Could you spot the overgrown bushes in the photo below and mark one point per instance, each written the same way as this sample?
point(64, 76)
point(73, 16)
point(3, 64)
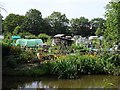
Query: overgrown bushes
point(73, 66)
point(44, 37)
point(111, 57)
point(79, 48)
point(25, 56)
point(70, 66)
point(5, 49)
point(13, 56)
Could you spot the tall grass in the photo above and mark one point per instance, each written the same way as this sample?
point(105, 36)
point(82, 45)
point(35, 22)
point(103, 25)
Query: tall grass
point(75, 65)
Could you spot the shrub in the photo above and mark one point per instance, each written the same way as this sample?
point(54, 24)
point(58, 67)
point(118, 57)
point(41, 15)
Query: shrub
point(15, 50)
point(5, 49)
point(13, 55)
point(31, 37)
point(25, 56)
point(74, 65)
point(79, 48)
point(115, 59)
point(111, 57)
point(65, 68)
point(44, 37)
point(47, 66)
point(9, 62)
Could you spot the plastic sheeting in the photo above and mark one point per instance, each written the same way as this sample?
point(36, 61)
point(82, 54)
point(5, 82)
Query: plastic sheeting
point(29, 42)
point(16, 37)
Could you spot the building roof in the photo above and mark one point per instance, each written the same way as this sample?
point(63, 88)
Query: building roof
point(59, 35)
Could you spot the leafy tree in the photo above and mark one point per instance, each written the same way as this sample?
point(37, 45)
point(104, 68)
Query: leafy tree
point(46, 27)
point(33, 22)
point(17, 30)
point(11, 22)
point(97, 26)
point(80, 26)
point(112, 32)
point(58, 22)
point(99, 31)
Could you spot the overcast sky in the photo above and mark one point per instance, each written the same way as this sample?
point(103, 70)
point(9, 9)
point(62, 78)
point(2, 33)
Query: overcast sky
point(72, 8)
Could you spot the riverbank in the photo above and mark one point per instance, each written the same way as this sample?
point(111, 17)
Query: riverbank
point(27, 70)
point(70, 67)
point(19, 61)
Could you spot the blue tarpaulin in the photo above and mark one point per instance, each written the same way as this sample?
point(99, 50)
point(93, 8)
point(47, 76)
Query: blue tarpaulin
point(16, 37)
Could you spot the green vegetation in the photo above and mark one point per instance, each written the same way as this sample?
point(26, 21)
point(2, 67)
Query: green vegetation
point(112, 32)
point(33, 23)
point(14, 56)
point(73, 66)
point(44, 37)
point(69, 62)
point(65, 66)
point(79, 48)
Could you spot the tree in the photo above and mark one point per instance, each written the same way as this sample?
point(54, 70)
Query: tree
point(112, 32)
point(99, 31)
point(46, 27)
point(33, 22)
point(97, 26)
point(58, 22)
point(17, 30)
point(11, 22)
point(80, 26)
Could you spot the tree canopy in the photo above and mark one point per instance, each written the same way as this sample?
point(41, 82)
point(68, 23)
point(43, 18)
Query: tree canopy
point(33, 22)
point(98, 26)
point(56, 23)
point(80, 26)
point(112, 32)
point(11, 22)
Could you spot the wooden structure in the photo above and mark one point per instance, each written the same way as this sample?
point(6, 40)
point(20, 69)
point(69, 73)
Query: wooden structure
point(62, 39)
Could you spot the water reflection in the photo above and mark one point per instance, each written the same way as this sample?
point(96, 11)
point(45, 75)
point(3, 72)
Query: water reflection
point(89, 81)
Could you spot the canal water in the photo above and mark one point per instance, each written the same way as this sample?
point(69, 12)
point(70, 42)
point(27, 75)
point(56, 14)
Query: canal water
point(86, 81)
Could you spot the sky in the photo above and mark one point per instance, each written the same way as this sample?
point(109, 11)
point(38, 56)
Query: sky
point(71, 8)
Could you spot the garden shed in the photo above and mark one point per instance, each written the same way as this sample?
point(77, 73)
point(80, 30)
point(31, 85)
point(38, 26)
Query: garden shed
point(29, 42)
point(62, 39)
